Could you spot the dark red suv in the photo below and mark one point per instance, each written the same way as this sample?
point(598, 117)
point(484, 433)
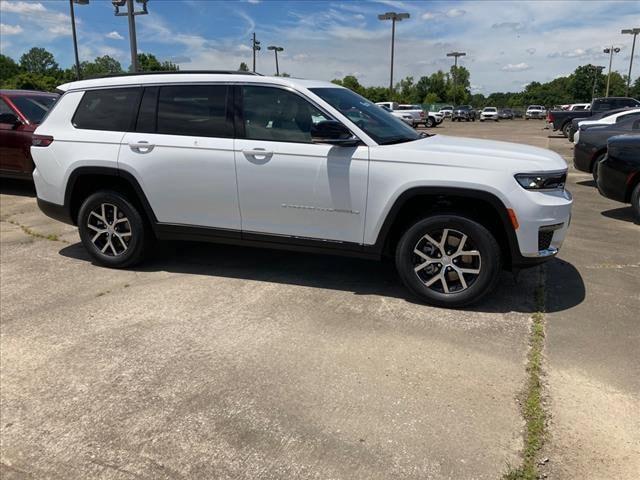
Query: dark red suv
point(20, 113)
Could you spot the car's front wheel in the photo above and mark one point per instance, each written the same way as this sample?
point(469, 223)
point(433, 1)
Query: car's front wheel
point(635, 202)
point(112, 229)
point(448, 260)
point(430, 123)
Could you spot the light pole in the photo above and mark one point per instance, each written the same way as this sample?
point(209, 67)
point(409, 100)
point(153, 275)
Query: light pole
point(276, 50)
point(130, 14)
point(255, 46)
point(455, 56)
point(610, 51)
point(73, 32)
point(394, 17)
point(634, 32)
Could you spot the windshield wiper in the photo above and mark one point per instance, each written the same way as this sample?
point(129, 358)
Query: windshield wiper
point(394, 141)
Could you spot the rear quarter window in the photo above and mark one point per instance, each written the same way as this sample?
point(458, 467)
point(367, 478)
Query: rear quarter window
point(109, 109)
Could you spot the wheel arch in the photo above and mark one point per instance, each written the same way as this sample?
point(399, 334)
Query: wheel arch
point(418, 202)
point(84, 181)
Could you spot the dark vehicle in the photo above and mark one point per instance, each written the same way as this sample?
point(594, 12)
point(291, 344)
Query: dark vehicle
point(592, 147)
point(464, 112)
point(506, 113)
point(561, 119)
point(518, 114)
point(20, 113)
point(619, 172)
point(574, 123)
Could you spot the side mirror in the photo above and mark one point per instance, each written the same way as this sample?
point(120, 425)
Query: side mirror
point(10, 119)
point(333, 133)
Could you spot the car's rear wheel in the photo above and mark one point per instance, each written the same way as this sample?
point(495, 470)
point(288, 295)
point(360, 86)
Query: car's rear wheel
point(112, 229)
point(448, 260)
point(430, 123)
point(565, 129)
point(635, 202)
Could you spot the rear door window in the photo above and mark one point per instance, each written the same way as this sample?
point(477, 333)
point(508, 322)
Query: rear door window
point(109, 109)
point(195, 110)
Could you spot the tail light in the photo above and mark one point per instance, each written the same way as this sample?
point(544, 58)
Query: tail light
point(549, 117)
point(41, 140)
point(421, 114)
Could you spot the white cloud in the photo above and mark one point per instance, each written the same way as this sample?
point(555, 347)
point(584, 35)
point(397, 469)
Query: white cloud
point(513, 26)
point(10, 29)
point(429, 15)
point(60, 30)
point(531, 51)
point(515, 67)
point(114, 36)
point(359, 16)
point(21, 7)
point(254, 2)
point(456, 12)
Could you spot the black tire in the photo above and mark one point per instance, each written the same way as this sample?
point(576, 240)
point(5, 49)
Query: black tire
point(430, 123)
point(594, 167)
point(635, 202)
point(473, 119)
point(566, 128)
point(133, 227)
point(478, 237)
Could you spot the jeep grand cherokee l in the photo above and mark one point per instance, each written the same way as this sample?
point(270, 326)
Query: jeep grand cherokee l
point(284, 163)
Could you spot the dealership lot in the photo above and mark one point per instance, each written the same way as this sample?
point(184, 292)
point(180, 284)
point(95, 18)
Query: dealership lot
point(222, 362)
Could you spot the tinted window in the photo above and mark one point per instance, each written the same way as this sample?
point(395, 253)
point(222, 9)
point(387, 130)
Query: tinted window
point(147, 113)
point(34, 107)
point(110, 109)
point(380, 125)
point(626, 116)
point(4, 108)
point(278, 115)
point(196, 110)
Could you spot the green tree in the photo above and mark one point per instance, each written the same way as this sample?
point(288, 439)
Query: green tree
point(39, 61)
point(8, 67)
point(422, 89)
point(147, 62)
point(104, 65)
point(438, 85)
point(243, 67)
point(634, 89)
point(31, 81)
point(458, 84)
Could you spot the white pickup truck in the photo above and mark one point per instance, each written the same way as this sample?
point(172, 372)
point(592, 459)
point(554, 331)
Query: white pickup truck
point(431, 119)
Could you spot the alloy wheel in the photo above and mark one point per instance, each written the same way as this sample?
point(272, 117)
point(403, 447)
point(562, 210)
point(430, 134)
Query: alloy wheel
point(112, 229)
point(446, 261)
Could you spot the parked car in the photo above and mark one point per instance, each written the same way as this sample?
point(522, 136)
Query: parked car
point(20, 113)
point(518, 114)
point(275, 162)
point(592, 147)
point(619, 172)
point(429, 120)
point(579, 106)
point(489, 113)
point(463, 112)
point(535, 111)
point(576, 121)
point(561, 119)
point(606, 120)
point(505, 113)
point(446, 111)
point(417, 116)
point(405, 117)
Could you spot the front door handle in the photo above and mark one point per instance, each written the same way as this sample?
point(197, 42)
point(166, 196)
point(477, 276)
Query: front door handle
point(141, 147)
point(258, 153)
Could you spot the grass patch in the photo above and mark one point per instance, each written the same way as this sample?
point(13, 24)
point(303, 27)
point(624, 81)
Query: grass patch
point(532, 406)
point(52, 237)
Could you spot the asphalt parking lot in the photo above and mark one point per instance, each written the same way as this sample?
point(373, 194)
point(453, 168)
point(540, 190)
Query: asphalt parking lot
point(222, 362)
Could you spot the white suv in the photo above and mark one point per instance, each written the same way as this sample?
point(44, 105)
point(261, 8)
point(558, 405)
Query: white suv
point(297, 164)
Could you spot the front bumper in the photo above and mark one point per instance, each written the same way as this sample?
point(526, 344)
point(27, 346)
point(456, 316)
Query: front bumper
point(582, 157)
point(535, 115)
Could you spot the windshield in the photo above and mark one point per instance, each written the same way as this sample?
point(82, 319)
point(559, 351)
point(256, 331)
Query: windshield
point(489, 109)
point(535, 107)
point(380, 125)
point(463, 107)
point(34, 107)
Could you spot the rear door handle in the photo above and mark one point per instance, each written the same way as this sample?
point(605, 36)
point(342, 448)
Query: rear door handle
point(260, 153)
point(141, 147)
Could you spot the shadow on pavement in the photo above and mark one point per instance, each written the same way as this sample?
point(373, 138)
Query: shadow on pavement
point(586, 183)
point(362, 277)
point(622, 213)
point(23, 188)
point(564, 286)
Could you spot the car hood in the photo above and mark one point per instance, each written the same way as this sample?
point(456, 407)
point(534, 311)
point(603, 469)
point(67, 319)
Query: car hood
point(482, 154)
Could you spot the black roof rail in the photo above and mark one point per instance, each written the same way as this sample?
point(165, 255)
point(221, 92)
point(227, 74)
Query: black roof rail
point(177, 72)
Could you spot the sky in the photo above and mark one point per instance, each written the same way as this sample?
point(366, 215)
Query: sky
point(508, 43)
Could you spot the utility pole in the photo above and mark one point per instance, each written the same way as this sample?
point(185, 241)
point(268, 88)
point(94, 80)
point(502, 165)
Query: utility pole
point(455, 56)
point(276, 50)
point(610, 51)
point(394, 17)
point(634, 32)
point(130, 14)
point(255, 46)
point(73, 32)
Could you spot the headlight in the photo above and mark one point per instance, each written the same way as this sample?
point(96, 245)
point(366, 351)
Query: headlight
point(542, 181)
